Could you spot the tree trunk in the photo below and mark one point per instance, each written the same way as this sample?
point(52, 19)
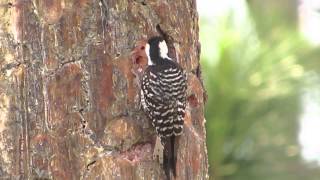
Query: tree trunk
point(69, 101)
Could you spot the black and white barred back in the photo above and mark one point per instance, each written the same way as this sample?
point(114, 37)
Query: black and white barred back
point(163, 97)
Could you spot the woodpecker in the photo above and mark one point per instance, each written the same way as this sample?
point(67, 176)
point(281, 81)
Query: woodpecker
point(163, 98)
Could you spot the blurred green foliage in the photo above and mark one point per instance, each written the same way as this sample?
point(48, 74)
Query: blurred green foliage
point(254, 88)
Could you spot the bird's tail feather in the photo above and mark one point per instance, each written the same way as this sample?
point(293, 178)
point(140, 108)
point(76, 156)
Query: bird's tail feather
point(169, 156)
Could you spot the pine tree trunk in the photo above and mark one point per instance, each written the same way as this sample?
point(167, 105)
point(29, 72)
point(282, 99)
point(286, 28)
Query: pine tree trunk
point(69, 101)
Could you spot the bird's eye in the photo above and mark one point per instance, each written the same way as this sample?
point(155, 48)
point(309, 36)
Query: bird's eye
point(142, 48)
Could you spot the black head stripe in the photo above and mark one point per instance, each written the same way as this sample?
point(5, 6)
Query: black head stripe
point(154, 48)
point(155, 40)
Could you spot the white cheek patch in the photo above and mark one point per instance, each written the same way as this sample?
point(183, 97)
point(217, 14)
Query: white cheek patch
point(163, 50)
point(148, 54)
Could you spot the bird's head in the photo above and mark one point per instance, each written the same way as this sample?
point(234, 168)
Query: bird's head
point(156, 50)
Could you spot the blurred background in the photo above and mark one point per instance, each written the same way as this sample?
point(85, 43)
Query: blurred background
point(261, 67)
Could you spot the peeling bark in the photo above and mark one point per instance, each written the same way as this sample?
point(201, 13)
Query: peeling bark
point(69, 83)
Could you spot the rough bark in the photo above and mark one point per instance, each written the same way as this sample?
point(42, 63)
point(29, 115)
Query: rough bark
point(69, 107)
